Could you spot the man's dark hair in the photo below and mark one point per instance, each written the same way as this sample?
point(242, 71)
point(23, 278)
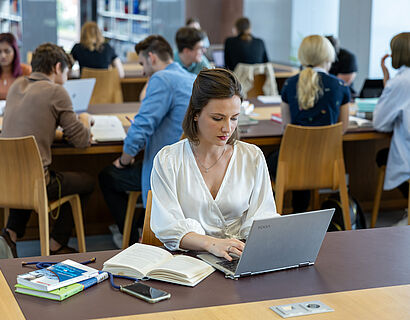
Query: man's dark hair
point(155, 44)
point(191, 20)
point(47, 55)
point(187, 37)
point(335, 43)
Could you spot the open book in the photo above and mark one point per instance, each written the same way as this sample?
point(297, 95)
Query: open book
point(107, 128)
point(141, 260)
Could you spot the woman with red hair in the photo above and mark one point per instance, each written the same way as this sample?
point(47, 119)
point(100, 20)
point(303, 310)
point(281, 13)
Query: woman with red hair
point(10, 66)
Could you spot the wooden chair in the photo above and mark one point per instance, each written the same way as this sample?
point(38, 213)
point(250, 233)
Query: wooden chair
point(312, 158)
point(129, 215)
point(148, 237)
point(256, 90)
point(107, 87)
point(377, 198)
point(23, 186)
point(132, 56)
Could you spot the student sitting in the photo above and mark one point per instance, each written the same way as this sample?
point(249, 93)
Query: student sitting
point(313, 98)
point(392, 113)
point(207, 189)
point(10, 66)
point(94, 52)
point(190, 55)
point(244, 48)
point(157, 124)
point(37, 105)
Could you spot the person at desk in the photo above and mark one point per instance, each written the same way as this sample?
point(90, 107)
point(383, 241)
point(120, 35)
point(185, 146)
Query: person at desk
point(207, 189)
point(194, 23)
point(37, 105)
point(244, 48)
point(10, 66)
point(392, 113)
point(94, 52)
point(312, 98)
point(345, 65)
point(158, 123)
point(190, 54)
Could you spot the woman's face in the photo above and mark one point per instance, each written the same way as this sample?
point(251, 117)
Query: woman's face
point(218, 120)
point(6, 54)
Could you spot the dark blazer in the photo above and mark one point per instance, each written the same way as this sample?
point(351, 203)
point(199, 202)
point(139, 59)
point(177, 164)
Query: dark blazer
point(242, 51)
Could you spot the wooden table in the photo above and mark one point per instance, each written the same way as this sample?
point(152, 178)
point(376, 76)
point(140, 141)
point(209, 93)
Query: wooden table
point(362, 274)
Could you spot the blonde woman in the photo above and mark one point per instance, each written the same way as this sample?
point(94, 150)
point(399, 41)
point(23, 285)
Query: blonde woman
point(94, 52)
point(313, 98)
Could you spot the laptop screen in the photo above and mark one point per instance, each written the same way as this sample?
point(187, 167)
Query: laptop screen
point(219, 58)
point(80, 91)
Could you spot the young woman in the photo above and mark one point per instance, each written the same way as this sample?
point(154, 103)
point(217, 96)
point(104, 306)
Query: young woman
point(94, 52)
point(244, 48)
point(10, 66)
point(208, 188)
point(313, 98)
point(392, 113)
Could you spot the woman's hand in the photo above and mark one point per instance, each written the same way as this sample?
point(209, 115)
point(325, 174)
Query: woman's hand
point(224, 247)
point(386, 75)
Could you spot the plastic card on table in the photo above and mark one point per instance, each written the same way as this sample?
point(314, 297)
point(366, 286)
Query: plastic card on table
point(301, 309)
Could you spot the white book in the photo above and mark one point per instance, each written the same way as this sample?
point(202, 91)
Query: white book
point(355, 122)
point(270, 99)
point(107, 128)
point(56, 276)
point(145, 261)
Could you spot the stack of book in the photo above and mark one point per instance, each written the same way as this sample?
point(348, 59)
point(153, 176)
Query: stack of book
point(60, 281)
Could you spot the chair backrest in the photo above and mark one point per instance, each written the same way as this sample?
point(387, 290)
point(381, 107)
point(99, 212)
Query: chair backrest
point(148, 237)
point(107, 87)
point(308, 157)
point(22, 183)
point(257, 79)
point(132, 56)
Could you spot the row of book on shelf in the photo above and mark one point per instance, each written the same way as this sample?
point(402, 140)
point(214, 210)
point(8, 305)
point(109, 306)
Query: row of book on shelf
point(66, 278)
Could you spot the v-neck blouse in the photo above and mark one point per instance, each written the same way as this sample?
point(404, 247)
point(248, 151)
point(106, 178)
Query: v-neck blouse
point(182, 202)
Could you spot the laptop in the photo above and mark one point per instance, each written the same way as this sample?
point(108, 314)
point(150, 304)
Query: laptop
point(218, 56)
point(372, 88)
point(279, 243)
point(80, 91)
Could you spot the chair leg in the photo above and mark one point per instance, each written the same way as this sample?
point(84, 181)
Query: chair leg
point(378, 195)
point(344, 197)
point(44, 232)
point(6, 216)
point(129, 215)
point(75, 203)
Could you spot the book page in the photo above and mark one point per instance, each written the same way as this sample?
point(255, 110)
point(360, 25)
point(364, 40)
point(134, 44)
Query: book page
point(107, 128)
point(182, 267)
point(139, 257)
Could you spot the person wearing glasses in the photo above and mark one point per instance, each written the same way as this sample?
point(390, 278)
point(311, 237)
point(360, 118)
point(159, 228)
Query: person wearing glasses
point(190, 54)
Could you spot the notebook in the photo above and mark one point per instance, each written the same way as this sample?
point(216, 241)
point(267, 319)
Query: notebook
point(107, 128)
point(278, 243)
point(80, 92)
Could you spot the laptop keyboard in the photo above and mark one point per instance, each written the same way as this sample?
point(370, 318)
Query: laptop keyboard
point(230, 265)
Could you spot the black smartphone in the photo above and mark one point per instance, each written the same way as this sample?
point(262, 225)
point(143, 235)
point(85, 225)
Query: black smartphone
point(146, 293)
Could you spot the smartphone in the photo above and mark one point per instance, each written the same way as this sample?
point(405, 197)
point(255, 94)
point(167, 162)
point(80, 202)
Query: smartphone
point(144, 292)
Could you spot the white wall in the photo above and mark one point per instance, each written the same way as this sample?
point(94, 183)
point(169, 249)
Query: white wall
point(270, 20)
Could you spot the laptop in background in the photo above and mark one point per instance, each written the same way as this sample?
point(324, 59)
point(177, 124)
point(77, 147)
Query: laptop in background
point(372, 88)
point(278, 243)
point(80, 91)
point(218, 57)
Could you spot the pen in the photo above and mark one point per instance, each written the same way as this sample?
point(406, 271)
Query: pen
point(129, 119)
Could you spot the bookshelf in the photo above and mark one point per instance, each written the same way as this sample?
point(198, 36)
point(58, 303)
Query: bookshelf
point(10, 18)
point(124, 22)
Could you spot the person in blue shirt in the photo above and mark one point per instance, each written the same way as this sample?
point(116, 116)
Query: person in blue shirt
point(190, 54)
point(313, 98)
point(157, 124)
point(392, 113)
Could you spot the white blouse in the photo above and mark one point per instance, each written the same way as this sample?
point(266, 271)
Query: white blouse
point(182, 203)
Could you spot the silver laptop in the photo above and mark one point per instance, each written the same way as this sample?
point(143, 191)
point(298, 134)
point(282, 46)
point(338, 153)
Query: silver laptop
point(279, 243)
point(80, 91)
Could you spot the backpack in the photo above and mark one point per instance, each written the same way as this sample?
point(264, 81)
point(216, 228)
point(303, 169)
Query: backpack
point(356, 214)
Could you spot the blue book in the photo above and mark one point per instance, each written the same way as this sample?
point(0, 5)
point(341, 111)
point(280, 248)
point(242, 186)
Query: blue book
point(59, 275)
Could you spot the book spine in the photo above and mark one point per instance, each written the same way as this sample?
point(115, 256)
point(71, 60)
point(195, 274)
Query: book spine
point(94, 280)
